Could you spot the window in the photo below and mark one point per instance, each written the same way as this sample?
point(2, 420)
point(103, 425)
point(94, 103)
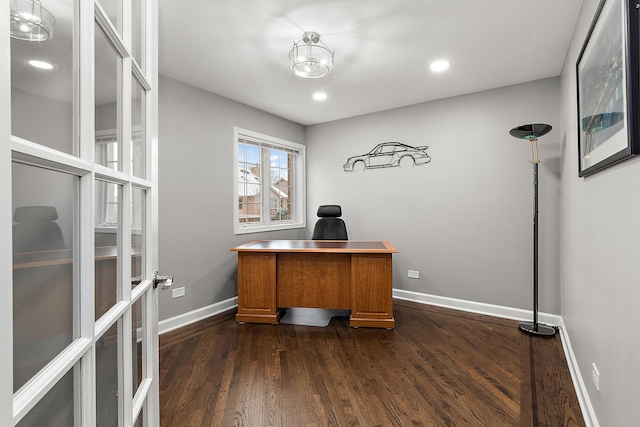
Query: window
point(269, 183)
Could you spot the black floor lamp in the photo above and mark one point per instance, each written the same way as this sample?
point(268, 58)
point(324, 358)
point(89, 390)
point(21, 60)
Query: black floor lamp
point(531, 133)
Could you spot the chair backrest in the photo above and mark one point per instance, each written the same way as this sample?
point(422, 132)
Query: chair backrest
point(36, 229)
point(330, 226)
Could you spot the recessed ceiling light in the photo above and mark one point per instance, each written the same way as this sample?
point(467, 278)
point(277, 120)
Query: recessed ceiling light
point(40, 64)
point(319, 96)
point(439, 65)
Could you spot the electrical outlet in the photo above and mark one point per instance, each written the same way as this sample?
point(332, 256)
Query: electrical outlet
point(595, 376)
point(414, 274)
point(177, 292)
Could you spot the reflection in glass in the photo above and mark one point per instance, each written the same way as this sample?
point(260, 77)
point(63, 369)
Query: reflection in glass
point(140, 421)
point(136, 319)
point(42, 99)
point(107, 110)
point(111, 9)
point(138, 31)
point(107, 197)
point(56, 408)
point(43, 268)
point(107, 355)
point(137, 233)
point(137, 128)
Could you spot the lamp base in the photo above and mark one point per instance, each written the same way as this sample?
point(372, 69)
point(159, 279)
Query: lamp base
point(537, 329)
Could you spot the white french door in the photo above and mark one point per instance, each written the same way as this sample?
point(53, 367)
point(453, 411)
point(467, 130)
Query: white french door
point(78, 225)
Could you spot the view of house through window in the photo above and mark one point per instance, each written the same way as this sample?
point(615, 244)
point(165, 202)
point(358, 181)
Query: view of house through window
point(268, 182)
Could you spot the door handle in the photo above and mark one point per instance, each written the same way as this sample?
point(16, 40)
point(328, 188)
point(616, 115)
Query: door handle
point(166, 281)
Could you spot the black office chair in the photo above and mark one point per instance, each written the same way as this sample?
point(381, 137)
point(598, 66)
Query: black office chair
point(36, 229)
point(330, 226)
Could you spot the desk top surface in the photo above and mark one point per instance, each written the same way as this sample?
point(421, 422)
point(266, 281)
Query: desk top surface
point(333, 246)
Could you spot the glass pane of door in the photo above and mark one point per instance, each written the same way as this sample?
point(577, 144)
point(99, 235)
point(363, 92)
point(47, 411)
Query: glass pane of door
point(44, 270)
point(42, 92)
point(107, 390)
point(42, 77)
point(140, 422)
point(56, 408)
point(137, 20)
point(137, 342)
point(137, 129)
point(107, 103)
point(111, 8)
point(107, 197)
point(137, 234)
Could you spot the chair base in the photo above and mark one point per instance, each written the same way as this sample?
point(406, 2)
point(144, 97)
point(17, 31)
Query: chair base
point(537, 329)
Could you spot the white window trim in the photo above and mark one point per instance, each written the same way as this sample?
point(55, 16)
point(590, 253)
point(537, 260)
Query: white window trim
point(299, 187)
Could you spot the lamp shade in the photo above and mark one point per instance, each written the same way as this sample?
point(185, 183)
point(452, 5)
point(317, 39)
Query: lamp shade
point(309, 59)
point(532, 131)
point(30, 21)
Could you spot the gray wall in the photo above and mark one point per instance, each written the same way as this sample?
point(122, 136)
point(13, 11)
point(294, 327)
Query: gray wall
point(196, 191)
point(464, 220)
point(42, 120)
point(600, 251)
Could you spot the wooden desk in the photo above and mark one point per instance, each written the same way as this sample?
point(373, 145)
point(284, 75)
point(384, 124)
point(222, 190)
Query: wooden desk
point(335, 274)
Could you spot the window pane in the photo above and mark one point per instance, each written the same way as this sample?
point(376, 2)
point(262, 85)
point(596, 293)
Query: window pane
point(137, 129)
point(137, 233)
point(106, 102)
point(107, 355)
point(44, 271)
point(250, 203)
point(136, 319)
point(56, 408)
point(280, 173)
point(267, 190)
point(138, 31)
point(107, 196)
point(42, 98)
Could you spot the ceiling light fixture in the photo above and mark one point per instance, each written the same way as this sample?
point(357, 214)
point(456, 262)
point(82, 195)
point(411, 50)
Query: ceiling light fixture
point(439, 65)
point(40, 64)
point(30, 21)
point(309, 59)
point(319, 96)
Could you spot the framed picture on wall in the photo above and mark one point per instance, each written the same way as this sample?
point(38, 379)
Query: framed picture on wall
point(608, 82)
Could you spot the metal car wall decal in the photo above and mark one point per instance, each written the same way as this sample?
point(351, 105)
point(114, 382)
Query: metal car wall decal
point(388, 155)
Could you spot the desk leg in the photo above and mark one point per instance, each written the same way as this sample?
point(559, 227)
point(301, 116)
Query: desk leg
point(257, 288)
point(371, 291)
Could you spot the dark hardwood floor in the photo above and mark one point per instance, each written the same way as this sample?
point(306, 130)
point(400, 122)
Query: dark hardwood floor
point(439, 367)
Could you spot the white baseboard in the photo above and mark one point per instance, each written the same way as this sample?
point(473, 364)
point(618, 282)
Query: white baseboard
point(588, 412)
point(196, 315)
point(477, 307)
point(586, 407)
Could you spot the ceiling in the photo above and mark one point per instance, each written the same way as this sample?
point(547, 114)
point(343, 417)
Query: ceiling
point(383, 48)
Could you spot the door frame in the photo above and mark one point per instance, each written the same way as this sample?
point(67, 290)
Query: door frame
point(13, 406)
